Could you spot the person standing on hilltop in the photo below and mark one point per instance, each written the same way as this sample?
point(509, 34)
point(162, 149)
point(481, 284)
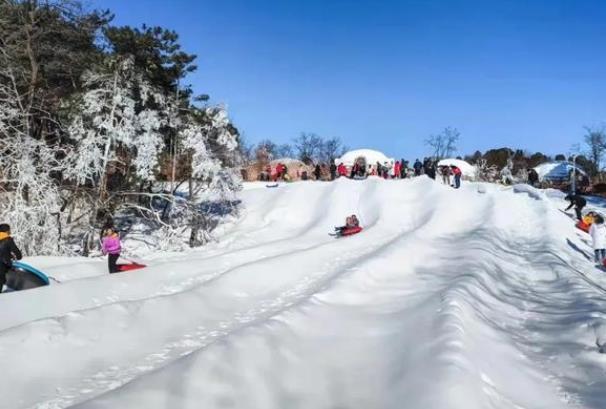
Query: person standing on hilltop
point(333, 170)
point(430, 170)
point(342, 170)
point(396, 170)
point(533, 177)
point(457, 176)
point(317, 172)
point(445, 172)
point(418, 166)
point(403, 168)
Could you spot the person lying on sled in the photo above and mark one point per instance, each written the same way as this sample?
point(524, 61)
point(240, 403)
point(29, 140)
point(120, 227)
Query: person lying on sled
point(350, 222)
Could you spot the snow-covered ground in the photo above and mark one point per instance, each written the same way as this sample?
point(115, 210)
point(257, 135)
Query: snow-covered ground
point(484, 297)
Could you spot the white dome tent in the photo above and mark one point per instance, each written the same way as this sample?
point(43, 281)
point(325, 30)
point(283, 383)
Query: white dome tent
point(469, 171)
point(368, 156)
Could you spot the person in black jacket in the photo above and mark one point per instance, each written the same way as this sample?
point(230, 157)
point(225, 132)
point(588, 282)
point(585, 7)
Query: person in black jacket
point(333, 170)
point(8, 252)
point(317, 172)
point(533, 177)
point(418, 167)
point(578, 202)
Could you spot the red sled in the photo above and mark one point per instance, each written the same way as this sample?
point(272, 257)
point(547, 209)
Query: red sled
point(130, 267)
point(583, 226)
point(351, 231)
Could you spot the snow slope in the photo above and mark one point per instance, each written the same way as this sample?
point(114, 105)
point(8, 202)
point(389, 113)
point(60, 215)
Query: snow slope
point(448, 299)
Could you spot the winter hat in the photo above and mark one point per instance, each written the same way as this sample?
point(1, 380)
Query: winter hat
point(5, 228)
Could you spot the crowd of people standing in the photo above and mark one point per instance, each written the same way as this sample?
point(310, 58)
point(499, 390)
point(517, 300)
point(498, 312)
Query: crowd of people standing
point(449, 175)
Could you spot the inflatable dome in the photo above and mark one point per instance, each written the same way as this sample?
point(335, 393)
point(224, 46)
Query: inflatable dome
point(365, 157)
point(469, 171)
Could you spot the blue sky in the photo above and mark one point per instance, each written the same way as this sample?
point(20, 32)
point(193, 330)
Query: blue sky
point(386, 74)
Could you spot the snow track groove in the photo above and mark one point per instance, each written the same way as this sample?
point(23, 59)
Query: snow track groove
point(178, 346)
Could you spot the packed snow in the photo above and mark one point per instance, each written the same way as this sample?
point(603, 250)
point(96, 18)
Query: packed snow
point(482, 297)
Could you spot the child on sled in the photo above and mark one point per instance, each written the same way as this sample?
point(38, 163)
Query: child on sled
point(350, 223)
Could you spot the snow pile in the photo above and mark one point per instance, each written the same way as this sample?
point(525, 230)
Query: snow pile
point(447, 299)
point(469, 171)
point(556, 171)
point(530, 191)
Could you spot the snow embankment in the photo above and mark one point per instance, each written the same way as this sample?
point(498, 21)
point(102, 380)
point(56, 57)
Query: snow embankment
point(447, 299)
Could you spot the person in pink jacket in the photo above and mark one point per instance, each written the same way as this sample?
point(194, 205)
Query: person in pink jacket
point(111, 246)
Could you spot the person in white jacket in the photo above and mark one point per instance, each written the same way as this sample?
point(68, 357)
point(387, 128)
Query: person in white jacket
point(598, 236)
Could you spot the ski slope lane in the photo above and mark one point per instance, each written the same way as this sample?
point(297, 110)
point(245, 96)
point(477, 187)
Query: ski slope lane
point(448, 299)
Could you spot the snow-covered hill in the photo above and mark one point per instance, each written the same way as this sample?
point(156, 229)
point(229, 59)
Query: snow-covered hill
point(447, 299)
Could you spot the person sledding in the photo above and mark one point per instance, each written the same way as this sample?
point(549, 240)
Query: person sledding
point(352, 226)
point(8, 252)
point(578, 202)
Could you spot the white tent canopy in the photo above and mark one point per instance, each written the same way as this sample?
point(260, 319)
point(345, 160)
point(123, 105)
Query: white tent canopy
point(370, 156)
point(556, 170)
point(467, 169)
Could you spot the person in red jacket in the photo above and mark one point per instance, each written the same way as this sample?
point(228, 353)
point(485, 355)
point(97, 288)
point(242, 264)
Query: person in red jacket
point(396, 170)
point(341, 170)
point(457, 176)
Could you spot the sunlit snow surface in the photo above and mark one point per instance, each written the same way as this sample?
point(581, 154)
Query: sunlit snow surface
point(484, 297)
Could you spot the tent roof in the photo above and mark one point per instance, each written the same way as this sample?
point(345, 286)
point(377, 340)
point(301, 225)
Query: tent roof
point(287, 162)
point(467, 168)
point(556, 170)
point(372, 157)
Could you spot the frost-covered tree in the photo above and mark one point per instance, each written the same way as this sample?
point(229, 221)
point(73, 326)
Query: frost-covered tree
point(117, 119)
point(114, 113)
point(29, 195)
point(486, 172)
point(210, 181)
point(94, 120)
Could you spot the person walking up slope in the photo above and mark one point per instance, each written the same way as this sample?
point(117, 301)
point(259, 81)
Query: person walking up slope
point(598, 237)
point(578, 202)
point(112, 247)
point(8, 252)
